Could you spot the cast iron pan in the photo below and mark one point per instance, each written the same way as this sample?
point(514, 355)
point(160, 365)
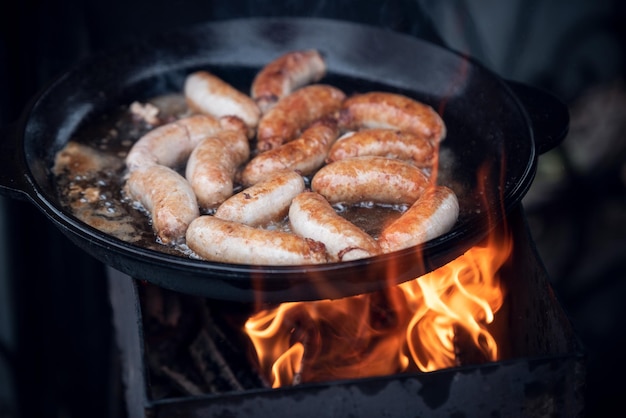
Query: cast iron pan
point(496, 129)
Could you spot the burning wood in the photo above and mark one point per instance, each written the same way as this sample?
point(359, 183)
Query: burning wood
point(436, 321)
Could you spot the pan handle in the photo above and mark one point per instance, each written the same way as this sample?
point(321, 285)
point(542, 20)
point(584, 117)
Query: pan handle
point(13, 181)
point(548, 114)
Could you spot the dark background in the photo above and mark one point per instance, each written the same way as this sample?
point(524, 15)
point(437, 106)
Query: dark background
point(56, 347)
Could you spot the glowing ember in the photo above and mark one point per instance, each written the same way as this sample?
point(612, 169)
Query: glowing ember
point(409, 327)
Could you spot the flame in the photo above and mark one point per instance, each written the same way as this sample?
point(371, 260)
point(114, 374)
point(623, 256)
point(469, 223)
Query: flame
point(413, 326)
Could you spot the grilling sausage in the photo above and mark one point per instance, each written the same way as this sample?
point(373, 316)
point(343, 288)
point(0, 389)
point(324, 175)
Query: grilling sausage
point(305, 154)
point(432, 215)
point(209, 94)
point(311, 216)
point(225, 241)
point(295, 112)
point(393, 111)
point(285, 74)
point(370, 179)
point(264, 202)
point(167, 196)
point(389, 143)
point(213, 164)
point(171, 144)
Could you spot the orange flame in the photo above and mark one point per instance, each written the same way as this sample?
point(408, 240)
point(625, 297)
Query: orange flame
point(409, 327)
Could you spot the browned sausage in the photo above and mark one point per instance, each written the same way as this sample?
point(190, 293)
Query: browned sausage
point(168, 197)
point(172, 143)
point(213, 164)
point(311, 216)
point(267, 201)
point(295, 112)
point(231, 242)
point(284, 75)
point(393, 111)
point(370, 179)
point(304, 155)
point(432, 215)
point(389, 143)
point(209, 94)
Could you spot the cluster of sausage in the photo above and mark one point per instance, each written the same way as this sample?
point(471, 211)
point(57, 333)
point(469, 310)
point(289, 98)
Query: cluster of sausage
point(367, 147)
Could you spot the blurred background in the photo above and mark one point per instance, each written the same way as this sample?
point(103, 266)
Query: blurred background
point(53, 296)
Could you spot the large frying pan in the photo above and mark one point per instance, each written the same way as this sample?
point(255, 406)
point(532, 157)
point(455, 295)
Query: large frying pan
point(496, 130)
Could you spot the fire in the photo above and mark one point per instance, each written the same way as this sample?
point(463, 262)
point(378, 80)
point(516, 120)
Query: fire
point(413, 326)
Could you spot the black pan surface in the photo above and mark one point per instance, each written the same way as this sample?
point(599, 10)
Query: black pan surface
point(491, 146)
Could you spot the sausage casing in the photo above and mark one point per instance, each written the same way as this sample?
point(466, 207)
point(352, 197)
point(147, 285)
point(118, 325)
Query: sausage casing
point(171, 144)
point(212, 166)
point(168, 197)
point(388, 143)
point(209, 94)
point(370, 179)
point(304, 155)
point(264, 202)
point(393, 111)
point(285, 74)
point(311, 216)
point(432, 215)
point(225, 241)
point(295, 112)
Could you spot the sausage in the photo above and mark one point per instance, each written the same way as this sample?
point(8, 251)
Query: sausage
point(264, 202)
point(304, 155)
point(285, 74)
point(370, 179)
point(171, 144)
point(311, 216)
point(432, 215)
point(393, 111)
point(168, 197)
point(295, 112)
point(389, 143)
point(225, 241)
point(213, 164)
point(209, 94)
